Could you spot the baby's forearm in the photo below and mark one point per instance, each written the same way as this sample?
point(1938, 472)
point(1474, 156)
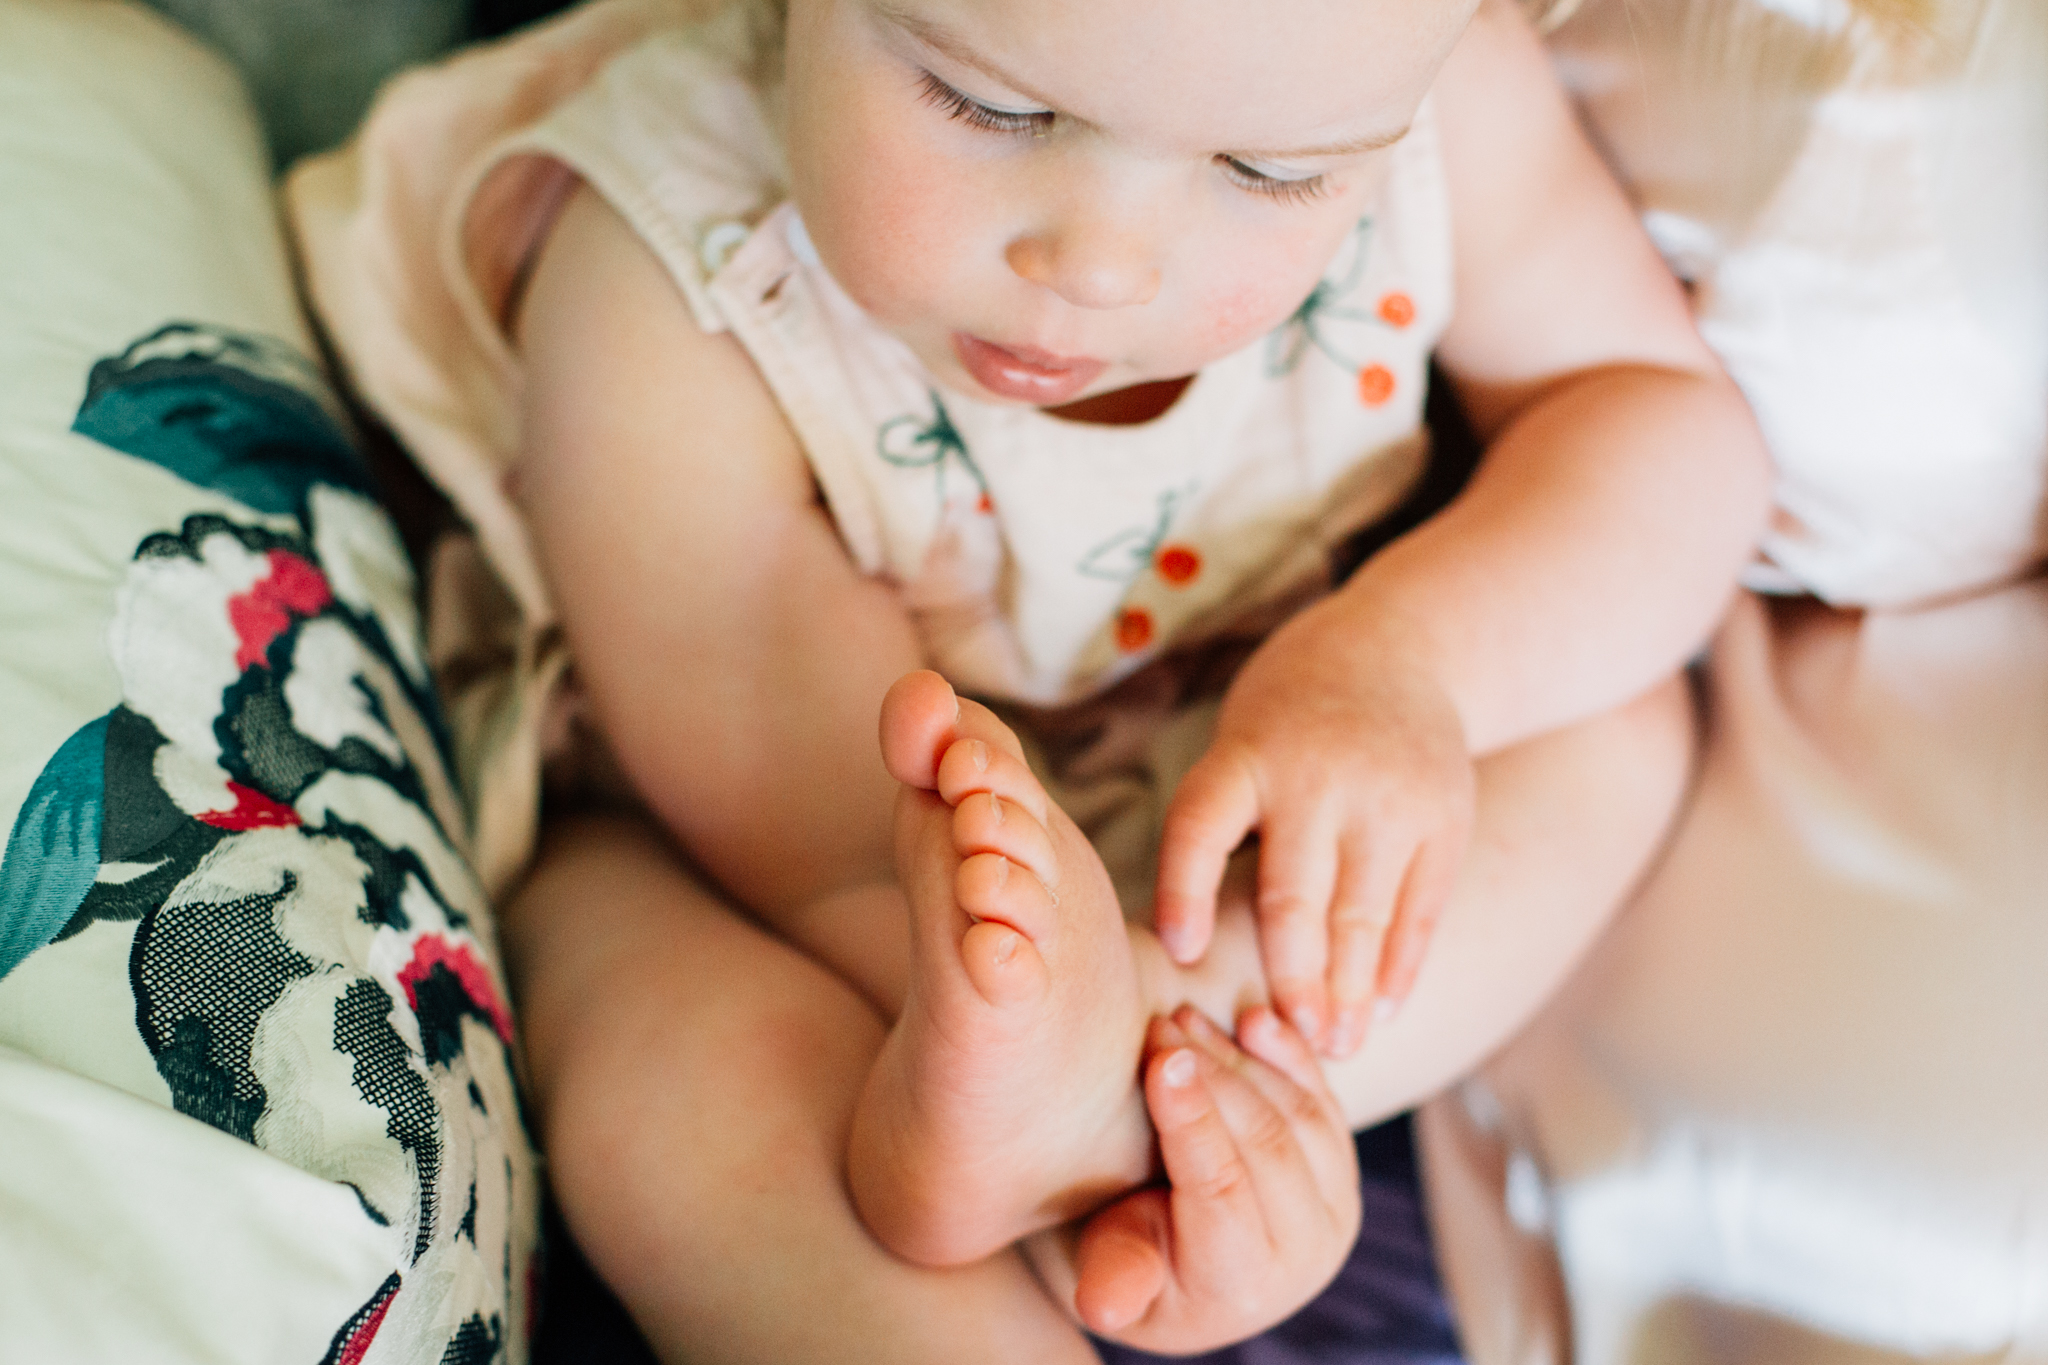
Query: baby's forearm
point(1589, 557)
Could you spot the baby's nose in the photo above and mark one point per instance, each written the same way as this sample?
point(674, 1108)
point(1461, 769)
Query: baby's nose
point(1093, 265)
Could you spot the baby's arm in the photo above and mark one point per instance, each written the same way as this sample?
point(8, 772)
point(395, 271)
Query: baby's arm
point(1261, 1207)
point(1623, 486)
point(729, 650)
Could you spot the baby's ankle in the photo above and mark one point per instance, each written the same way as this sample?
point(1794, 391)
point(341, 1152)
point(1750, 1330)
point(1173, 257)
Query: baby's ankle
point(1229, 977)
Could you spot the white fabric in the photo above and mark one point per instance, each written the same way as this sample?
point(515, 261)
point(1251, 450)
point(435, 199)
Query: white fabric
point(1794, 1105)
point(221, 1270)
point(1794, 1102)
point(223, 1135)
point(1861, 208)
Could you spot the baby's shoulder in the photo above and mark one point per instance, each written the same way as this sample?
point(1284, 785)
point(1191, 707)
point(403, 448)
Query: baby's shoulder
point(631, 406)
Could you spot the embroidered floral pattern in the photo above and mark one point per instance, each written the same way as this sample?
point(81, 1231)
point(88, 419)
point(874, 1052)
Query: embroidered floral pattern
point(1129, 553)
point(934, 443)
point(272, 805)
point(1328, 308)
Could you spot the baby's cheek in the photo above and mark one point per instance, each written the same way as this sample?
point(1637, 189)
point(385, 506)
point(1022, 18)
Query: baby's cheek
point(895, 248)
point(1243, 309)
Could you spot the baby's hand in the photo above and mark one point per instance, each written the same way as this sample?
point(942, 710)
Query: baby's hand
point(1350, 761)
point(1263, 1205)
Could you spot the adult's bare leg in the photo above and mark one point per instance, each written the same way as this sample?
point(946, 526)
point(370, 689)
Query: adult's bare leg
point(694, 1079)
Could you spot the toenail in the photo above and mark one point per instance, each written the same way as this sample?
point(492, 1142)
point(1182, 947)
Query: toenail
point(995, 805)
point(1002, 872)
point(979, 753)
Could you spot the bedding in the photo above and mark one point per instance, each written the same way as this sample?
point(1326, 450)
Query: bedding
point(1791, 1107)
point(256, 1070)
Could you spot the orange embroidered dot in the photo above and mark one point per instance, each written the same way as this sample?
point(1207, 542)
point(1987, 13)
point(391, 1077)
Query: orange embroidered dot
point(1397, 309)
point(1178, 564)
point(985, 504)
point(1375, 385)
point(1133, 629)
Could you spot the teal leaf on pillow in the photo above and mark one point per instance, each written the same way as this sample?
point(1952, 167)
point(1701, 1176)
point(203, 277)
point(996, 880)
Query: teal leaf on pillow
point(224, 410)
point(53, 852)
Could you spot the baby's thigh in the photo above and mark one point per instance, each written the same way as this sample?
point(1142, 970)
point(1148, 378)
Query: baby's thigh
point(695, 1078)
point(676, 1054)
point(614, 933)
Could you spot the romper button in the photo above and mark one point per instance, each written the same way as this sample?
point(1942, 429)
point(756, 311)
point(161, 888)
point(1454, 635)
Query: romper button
point(718, 244)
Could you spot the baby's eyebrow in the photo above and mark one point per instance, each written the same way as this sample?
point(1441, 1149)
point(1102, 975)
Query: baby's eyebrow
point(943, 40)
point(1371, 142)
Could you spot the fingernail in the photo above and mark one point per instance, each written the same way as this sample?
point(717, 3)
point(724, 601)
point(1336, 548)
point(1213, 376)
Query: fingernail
point(1385, 1008)
point(1176, 940)
point(1179, 1069)
point(1306, 1021)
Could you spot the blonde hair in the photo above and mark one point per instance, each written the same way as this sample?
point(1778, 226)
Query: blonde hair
point(1918, 39)
point(1908, 14)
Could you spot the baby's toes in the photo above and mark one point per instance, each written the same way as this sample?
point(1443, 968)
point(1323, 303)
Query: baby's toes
point(1010, 911)
point(990, 887)
point(986, 823)
point(920, 716)
point(975, 765)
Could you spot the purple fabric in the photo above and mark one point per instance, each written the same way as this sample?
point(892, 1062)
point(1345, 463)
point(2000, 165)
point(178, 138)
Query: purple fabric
point(1386, 1306)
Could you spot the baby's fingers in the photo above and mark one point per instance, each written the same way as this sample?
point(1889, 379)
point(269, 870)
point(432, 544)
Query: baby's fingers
point(1120, 1262)
point(1214, 808)
point(1215, 1199)
point(1297, 875)
point(1363, 907)
point(1423, 896)
point(1274, 1099)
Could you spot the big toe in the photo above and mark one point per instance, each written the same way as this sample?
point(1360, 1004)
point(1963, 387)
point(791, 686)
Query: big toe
point(919, 718)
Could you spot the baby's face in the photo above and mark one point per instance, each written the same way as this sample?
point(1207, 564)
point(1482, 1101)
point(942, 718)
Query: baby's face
point(1050, 199)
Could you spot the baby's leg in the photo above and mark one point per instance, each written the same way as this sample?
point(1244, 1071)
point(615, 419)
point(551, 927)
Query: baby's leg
point(694, 1079)
point(1005, 1098)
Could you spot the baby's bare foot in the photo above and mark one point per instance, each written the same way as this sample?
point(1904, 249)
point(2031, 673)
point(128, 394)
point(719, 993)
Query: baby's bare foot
point(1005, 1099)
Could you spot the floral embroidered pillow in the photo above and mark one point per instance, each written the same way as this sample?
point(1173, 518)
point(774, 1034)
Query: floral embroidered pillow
point(245, 967)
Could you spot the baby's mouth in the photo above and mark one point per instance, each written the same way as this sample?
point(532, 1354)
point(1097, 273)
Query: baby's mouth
point(1025, 373)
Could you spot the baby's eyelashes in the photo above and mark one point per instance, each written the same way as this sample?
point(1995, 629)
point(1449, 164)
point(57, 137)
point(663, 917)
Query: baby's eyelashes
point(956, 104)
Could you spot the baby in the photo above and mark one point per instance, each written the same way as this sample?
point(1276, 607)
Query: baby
point(1055, 347)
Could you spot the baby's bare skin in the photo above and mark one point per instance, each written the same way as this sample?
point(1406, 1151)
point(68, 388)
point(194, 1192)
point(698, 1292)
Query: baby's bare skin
point(734, 657)
point(1004, 1100)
